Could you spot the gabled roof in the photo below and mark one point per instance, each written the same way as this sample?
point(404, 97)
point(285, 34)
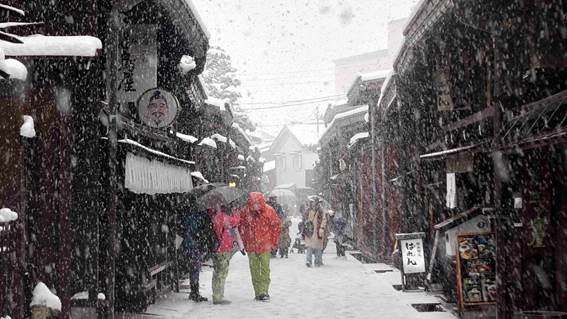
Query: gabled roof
point(284, 134)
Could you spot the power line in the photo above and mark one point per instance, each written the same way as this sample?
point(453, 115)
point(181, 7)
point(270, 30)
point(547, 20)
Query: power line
point(312, 99)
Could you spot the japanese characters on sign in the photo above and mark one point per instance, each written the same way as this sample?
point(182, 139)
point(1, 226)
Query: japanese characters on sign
point(137, 62)
point(412, 255)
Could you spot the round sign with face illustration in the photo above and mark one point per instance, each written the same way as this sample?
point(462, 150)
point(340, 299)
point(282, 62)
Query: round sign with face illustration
point(157, 108)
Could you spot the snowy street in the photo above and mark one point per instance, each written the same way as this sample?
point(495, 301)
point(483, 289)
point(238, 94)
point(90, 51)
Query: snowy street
point(340, 289)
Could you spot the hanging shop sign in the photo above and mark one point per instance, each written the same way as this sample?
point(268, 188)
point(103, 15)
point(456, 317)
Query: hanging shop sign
point(137, 60)
point(476, 269)
point(158, 108)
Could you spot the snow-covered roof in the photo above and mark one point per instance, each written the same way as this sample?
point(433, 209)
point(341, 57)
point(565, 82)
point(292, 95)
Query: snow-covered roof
point(219, 138)
point(198, 18)
point(200, 176)
point(27, 129)
point(370, 76)
point(187, 138)
point(155, 152)
point(307, 133)
point(231, 143)
point(42, 296)
point(356, 137)
point(358, 110)
point(236, 126)
point(7, 215)
point(269, 165)
point(40, 45)
point(208, 142)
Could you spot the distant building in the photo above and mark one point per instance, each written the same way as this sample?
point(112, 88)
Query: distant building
point(347, 68)
point(289, 161)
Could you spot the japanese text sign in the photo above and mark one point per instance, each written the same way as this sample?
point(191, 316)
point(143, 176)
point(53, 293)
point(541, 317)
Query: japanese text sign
point(413, 258)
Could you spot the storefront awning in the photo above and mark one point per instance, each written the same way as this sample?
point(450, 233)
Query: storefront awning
point(457, 219)
point(448, 152)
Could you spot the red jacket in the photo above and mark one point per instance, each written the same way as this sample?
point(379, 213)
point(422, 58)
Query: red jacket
point(223, 231)
point(259, 225)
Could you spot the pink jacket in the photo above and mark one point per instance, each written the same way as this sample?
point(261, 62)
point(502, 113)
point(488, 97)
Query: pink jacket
point(222, 223)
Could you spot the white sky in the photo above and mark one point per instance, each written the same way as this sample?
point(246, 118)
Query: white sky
point(284, 49)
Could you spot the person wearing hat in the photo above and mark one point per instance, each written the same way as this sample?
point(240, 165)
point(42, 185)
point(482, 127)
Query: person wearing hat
point(315, 232)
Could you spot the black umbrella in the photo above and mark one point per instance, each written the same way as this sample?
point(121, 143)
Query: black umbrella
point(223, 192)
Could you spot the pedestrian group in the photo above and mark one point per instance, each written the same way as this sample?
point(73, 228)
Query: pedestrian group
point(261, 230)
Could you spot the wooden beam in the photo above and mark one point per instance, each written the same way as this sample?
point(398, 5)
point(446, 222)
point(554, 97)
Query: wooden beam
point(471, 119)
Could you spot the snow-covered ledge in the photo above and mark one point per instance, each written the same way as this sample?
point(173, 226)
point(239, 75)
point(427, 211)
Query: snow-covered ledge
point(208, 142)
point(7, 215)
point(27, 129)
point(41, 45)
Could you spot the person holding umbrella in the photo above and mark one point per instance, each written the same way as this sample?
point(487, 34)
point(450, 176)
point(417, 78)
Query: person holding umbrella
point(224, 226)
point(260, 230)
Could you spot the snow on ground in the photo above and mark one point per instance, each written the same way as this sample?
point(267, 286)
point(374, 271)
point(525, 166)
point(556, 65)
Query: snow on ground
point(342, 288)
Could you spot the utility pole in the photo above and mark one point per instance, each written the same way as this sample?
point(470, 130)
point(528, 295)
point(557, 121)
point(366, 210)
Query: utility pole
point(317, 118)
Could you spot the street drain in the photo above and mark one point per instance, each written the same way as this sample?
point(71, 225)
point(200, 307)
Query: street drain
point(381, 271)
point(362, 258)
point(397, 287)
point(428, 307)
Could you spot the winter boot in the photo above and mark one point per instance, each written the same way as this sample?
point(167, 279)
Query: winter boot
point(194, 295)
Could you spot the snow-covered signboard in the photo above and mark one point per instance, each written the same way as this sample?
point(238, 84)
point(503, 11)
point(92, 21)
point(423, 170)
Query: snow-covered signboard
point(137, 58)
point(412, 255)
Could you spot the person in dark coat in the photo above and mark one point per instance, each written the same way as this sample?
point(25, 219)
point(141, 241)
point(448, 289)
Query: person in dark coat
point(273, 202)
point(199, 241)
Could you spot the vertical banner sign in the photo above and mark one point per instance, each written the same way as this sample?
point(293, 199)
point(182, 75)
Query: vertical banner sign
point(412, 255)
point(137, 59)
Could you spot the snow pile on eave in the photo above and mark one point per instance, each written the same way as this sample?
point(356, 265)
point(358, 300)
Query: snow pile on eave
point(367, 117)
point(240, 157)
point(356, 137)
point(42, 296)
point(10, 8)
point(187, 138)
point(219, 138)
point(270, 165)
point(186, 64)
point(200, 176)
point(231, 143)
point(7, 215)
point(40, 45)
point(14, 68)
point(27, 129)
point(208, 142)
point(370, 76)
point(250, 159)
point(150, 150)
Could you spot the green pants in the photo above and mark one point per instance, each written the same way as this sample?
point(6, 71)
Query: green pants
point(221, 262)
point(260, 272)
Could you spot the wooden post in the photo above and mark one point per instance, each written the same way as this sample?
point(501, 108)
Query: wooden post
point(112, 69)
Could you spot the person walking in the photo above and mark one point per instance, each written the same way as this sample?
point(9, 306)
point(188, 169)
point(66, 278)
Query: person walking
point(273, 202)
point(260, 230)
point(337, 225)
point(199, 241)
point(223, 225)
point(315, 232)
point(285, 239)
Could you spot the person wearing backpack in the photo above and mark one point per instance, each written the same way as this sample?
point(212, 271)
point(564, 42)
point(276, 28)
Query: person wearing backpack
point(199, 242)
point(315, 231)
